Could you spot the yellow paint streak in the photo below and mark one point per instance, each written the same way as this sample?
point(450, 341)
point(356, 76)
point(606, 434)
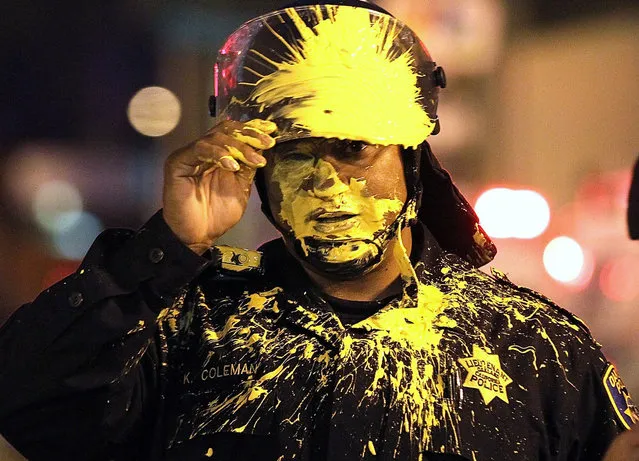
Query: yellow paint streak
point(544, 334)
point(344, 80)
point(346, 345)
point(524, 350)
point(215, 336)
point(259, 300)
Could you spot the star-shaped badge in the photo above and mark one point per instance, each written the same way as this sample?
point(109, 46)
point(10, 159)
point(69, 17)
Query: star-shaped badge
point(485, 375)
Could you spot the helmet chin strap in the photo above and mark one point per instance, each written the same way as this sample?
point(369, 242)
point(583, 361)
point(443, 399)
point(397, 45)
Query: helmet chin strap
point(313, 251)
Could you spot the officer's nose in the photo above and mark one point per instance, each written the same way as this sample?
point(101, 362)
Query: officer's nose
point(325, 182)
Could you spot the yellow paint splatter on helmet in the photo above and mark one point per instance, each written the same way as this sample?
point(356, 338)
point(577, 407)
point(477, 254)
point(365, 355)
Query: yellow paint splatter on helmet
point(344, 78)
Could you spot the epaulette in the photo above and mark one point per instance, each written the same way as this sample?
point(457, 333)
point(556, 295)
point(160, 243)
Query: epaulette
point(503, 278)
point(234, 261)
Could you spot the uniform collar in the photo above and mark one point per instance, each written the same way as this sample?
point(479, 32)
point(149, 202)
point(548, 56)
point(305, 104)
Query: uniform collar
point(306, 306)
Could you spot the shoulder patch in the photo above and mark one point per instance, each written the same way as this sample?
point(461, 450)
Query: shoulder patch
point(625, 408)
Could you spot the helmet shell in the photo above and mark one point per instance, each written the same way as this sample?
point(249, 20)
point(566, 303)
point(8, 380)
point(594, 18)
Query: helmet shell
point(331, 71)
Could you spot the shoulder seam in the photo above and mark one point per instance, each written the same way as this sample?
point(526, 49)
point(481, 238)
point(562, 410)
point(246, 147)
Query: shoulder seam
point(501, 277)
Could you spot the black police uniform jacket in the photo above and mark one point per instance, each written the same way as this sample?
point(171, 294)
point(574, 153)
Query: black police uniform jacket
point(146, 352)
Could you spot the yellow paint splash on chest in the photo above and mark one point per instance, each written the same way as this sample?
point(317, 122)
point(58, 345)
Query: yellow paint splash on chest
point(413, 329)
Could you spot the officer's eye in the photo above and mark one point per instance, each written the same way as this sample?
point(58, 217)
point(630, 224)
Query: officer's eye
point(294, 156)
point(354, 147)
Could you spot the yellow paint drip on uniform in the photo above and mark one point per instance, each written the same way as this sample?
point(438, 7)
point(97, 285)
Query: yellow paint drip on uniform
point(414, 326)
point(343, 81)
point(371, 448)
point(215, 336)
point(524, 350)
point(259, 300)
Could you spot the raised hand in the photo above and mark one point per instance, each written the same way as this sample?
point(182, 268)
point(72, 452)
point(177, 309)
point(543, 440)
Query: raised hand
point(207, 183)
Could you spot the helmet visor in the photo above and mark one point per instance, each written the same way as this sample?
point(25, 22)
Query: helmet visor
point(329, 71)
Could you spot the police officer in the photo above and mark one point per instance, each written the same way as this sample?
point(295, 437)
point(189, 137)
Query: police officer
point(365, 332)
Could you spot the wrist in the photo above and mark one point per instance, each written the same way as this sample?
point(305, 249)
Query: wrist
point(199, 248)
point(196, 245)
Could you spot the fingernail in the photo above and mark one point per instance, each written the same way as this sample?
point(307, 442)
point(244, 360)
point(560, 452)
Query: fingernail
point(256, 138)
point(229, 163)
point(269, 142)
point(257, 160)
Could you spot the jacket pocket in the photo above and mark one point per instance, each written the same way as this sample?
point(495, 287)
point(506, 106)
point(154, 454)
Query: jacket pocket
point(230, 422)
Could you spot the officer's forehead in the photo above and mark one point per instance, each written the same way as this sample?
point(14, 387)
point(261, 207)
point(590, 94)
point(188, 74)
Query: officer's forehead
point(318, 145)
point(306, 143)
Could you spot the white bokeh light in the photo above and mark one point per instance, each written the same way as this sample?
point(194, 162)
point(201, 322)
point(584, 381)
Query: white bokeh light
point(508, 213)
point(57, 205)
point(75, 240)
point(532, 214)
point(154, 111)
point(564, 259)
point(491, 207)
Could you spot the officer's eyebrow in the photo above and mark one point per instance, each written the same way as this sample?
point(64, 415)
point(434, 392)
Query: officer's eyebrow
point(305, 146)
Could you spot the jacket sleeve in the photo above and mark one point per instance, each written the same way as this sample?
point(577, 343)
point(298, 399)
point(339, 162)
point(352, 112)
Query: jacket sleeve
point(605, 410)
point(80, 366)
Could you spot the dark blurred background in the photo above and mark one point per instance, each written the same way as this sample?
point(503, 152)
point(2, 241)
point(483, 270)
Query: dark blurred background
point(539, 129)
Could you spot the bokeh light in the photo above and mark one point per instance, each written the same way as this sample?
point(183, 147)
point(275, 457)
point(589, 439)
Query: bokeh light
point(154, 111)
point(57, 205)
point(564, 259)
point(619, 278)
point(58, 272)
point(509, 213)
point(74, 241)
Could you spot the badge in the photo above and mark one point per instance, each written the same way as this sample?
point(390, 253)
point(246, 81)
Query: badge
point(485, 375)
point(620, 398)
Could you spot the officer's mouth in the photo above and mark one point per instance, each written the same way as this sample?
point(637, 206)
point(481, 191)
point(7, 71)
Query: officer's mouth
point(333, 221)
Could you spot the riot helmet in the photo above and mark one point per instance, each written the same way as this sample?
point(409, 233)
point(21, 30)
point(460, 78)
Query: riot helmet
point(347, 70)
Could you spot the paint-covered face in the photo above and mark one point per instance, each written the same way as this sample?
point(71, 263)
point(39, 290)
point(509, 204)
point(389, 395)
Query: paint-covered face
point(335, 197)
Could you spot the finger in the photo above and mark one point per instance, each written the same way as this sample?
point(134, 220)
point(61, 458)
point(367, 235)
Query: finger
point(265, 126)
point(202, 159)
point(256, 125)
point(237, 149)
point(228, 163)
point(255, 159)
point(222, 146)
point(225, 126)
point(210, 155)
point(246, 174)
point(253, 137)
point(255, 133)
